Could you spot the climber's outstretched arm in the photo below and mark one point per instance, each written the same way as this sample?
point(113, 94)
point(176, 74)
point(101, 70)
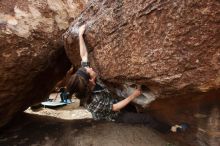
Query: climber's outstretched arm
point(121, 104)
point(82, 45)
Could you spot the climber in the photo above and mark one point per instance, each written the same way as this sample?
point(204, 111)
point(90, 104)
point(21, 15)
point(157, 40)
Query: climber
point(86, 85)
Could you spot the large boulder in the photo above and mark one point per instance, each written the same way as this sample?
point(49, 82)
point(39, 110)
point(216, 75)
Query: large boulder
point(171, 47)
point(32, 55)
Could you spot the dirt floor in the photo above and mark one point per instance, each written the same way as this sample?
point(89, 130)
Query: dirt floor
point(35, 129)
point(72, 125)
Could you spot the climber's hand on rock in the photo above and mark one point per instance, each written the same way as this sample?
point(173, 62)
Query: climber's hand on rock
point(82, 29)
point(136, 93)
point(139, 87)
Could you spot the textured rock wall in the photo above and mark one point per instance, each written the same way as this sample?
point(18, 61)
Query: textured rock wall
point(170, 46)
point(201, 112)
point(32, 57)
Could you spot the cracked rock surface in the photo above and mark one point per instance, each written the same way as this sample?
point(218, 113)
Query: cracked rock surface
point(172, 47)
point(32, 57)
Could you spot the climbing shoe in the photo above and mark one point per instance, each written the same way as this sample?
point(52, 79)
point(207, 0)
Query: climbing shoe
point(180, 128)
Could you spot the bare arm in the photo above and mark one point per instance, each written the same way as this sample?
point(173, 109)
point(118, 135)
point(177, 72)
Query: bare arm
point(121, 104)
point(82, 45)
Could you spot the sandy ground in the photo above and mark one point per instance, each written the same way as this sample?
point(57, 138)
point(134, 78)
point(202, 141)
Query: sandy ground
point(74, 127)
point(69, 112)
point(36, 130)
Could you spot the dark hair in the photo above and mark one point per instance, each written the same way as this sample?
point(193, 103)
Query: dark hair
point(79, 86)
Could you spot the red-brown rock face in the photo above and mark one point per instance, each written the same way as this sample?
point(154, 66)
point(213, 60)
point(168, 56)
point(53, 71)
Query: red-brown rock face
point(172, 47)
point(32, 54)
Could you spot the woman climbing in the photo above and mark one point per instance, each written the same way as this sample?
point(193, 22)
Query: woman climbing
point(87, 87)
